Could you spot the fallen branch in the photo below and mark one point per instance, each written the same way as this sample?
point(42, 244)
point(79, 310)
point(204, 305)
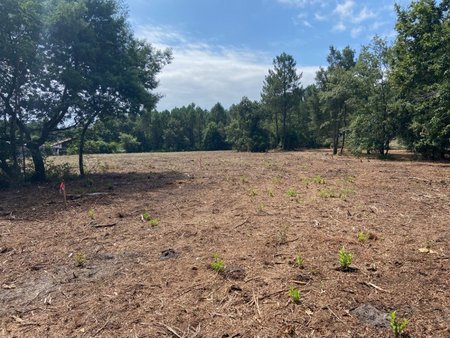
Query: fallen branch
point(104, 225)
point(374, 286)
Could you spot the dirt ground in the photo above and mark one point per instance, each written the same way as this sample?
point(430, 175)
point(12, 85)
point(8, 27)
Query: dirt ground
point(130, 255)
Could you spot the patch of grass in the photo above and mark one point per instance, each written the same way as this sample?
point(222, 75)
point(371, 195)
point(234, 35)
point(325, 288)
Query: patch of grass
point(295, 295)
point(217, 264)
point(91, 214)
point(318, 179)
point(252, 193)
point(327, 193)
point(80, 259)
point(292, 192)
point(146, 216)
point(345, 259)
point(270, 192)
point(154, 222)
point(346, 192)
point(397, 326)
point(298, 261)
point(362, 236)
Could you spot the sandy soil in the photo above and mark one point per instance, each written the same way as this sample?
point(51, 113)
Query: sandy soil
point(130, 255)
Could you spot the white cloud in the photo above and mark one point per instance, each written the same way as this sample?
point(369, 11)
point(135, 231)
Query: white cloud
point(320, 17)
point(306, 23)
point(345, 9)
point(206, 74)
point(302, 3)
point(355, 32)
point(339, 27)
point(363, 15)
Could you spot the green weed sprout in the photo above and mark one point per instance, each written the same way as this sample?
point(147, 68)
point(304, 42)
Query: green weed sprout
point(345, 259)
point(318, 179)
point(299, 261)
point(397, 326)
point(154, 222)
point(362, 237)
point(217, 264)
point(146, 216)
point(292, 193)
point(294, 294)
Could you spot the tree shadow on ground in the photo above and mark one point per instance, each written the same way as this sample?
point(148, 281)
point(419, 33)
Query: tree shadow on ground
point(32, 200)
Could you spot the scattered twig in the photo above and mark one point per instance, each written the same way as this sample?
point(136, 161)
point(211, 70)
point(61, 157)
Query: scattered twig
point(103, 327)
point(271, 294)
point(374, 286)
point(241, 224)
point(104, 225)
point(171, 330)
point(331, 311)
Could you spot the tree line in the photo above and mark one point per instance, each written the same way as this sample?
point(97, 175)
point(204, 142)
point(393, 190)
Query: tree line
point(74, 69)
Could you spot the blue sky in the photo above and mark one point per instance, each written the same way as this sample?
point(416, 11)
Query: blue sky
point(223, 49)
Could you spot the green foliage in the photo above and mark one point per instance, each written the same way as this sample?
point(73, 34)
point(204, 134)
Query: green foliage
point(362, 236)
point(146, 216)
point(246, 131)
point(129, 143)
point(292, 192)
point(214, 137)
point(420, 74)
point(298, 261)
point(295, 295)
point(397, 326)
point(345, 259)
point(153, 222)
point(281, 88)
point(318, 179)
point(58, 171)
point(217, 264)
point(327, 193)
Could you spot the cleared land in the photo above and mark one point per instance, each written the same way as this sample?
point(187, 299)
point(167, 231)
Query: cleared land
point(257, 212)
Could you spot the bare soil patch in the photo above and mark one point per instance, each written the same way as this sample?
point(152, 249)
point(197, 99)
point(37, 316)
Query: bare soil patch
point(130, 255)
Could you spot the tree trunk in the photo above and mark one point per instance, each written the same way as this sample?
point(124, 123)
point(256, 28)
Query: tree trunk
point(38, 162)
point(277, 132)
point(81, 145)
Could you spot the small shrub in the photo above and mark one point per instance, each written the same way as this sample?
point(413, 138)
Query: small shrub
point(217, 264)
point(345, 259)
point(58, 171)
point(80, 259)
point(397, 326)
point(362, 236)
point(146, 216)
point(294, 293)
point(292, 192)
point(298, 261)
point(154, 222)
